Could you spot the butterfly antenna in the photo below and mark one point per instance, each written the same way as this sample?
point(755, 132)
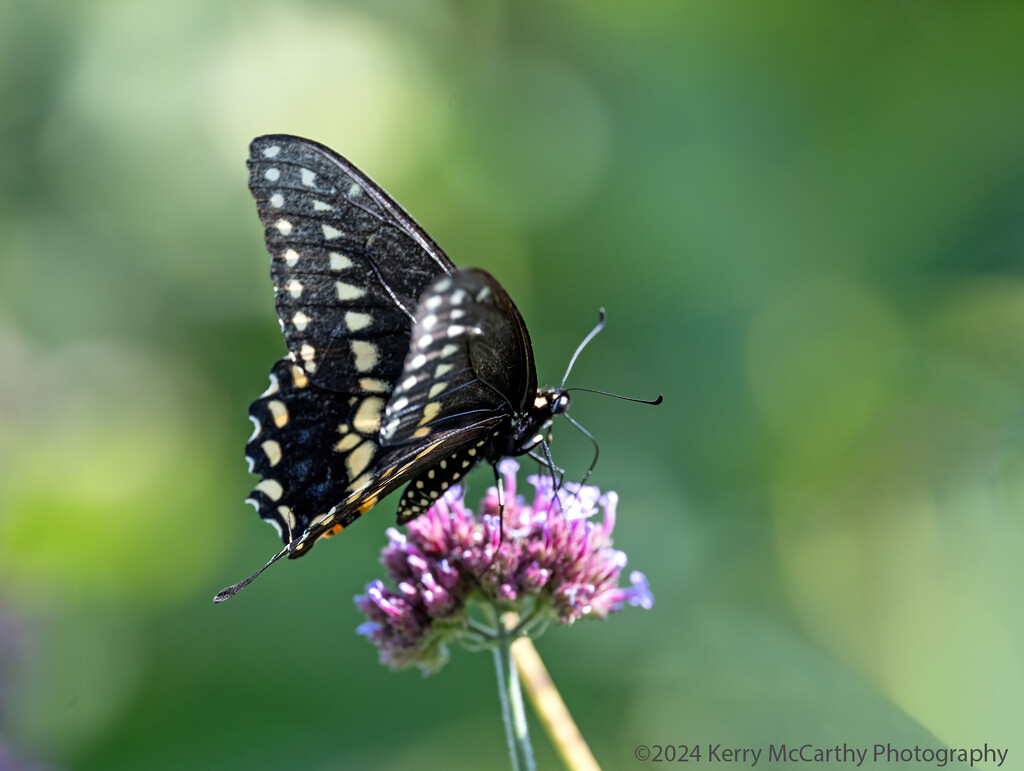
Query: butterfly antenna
point(651, 402)
point(231, 591)
point(587, 339)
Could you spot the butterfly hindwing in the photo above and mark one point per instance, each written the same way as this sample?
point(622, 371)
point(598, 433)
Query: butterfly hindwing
point(348, 263)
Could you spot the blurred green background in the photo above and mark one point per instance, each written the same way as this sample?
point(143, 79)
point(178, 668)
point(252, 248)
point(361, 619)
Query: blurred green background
point(806, 221)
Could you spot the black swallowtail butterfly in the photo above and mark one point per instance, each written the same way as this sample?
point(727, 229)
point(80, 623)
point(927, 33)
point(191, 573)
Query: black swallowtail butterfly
point(400, 367)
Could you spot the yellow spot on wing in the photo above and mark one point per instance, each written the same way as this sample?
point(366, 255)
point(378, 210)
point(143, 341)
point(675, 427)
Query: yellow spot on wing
point(279, 411)
point(271, 488)
point(367, 417)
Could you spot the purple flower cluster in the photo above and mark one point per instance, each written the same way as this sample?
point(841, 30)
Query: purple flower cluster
point(555, 562)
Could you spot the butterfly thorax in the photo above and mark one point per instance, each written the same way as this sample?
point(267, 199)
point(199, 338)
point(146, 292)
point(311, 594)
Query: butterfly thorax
point(530, 426)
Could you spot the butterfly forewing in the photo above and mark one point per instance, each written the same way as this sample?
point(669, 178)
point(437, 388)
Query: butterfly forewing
point(348, 263)
point(469, 358)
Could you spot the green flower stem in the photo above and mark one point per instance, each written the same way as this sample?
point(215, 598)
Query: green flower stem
point(513, 711)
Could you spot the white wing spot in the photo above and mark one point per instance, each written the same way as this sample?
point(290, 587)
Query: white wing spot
point(437, 388)
point(455, 330)
point(458, 297)
point(321, 206)
point(272, 450)
point(272, 174)
point(366, 355)
point(274, 386)
point(432, 303)
point(424, 341)
point(291, 257)
point(417, 361)
point(483, 294)
point(409, 382)
point(442, 369)
point(340, 261)
point(256, 428)
point(348, 292)
point(443, 285)
point(271, 488)
point(331, 233)
point(354, 191)
point(284, 227)
point(449, 349)
point(279, 411)
point(399, 404)
point(272, 151)
point(308, 177)
point(277, 200)
point(429, 322)
point(356, 321)
point(300, 320)
point(359, 459)
point(372, 384)
point(457, 314)
point(367, 417)
point(295, 288)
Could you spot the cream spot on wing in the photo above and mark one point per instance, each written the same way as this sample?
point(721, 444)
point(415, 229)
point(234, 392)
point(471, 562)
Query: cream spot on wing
point(343, 428)
point(472, 451)
point(457, 314)
point(272, 450)
point(300, 320)
point(340, 261)
point(356, 321)
point(321, 206)
point(308, 177)
point(455, 330)
point(458, 297)
point(277, 200)
point(430, 474)
point(347, 292)
point(354, 191)
point(444, 464)
point(366, 355)
point(417, 361)
point(295, 288)
point(399, 404)
point(360, 483)
point(347, 442)
point(443, 284)
point(430, 412)
point(330, 233)
point(433, 303)
point(272, 151)
point(284, 227)
point(288, 516)
point(419, 483)
point(424, 341)
point(483, 294)
point(279, 411)
point(436, 389)
point(272, 174)
point(359, 459)
point(434, 493)
point(442, 370)
point(429, 322)
point(367, 417)
point(419, 433)
point(307, 352)
point(409, 382)
point(271, 488)
point(291, 257)
point(449, 349)
point(372, 384)
point(465, 463)
point(299, 379)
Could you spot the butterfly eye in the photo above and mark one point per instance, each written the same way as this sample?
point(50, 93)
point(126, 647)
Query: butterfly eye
point(561, 404)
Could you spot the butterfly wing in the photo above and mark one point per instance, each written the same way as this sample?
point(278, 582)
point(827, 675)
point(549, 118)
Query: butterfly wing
point(349, 265)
